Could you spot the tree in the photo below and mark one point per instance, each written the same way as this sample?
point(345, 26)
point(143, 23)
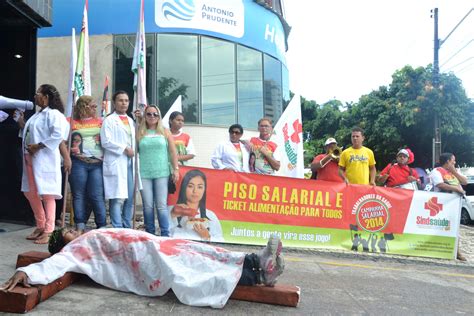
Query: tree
point(397, 116)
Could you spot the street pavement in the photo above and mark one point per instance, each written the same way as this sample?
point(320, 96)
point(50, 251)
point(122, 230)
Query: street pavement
point(331, 282)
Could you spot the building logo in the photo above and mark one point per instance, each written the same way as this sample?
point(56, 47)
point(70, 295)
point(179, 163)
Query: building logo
point(372, 212)
point(224, 17)
point(178, 9)
point(431, 222)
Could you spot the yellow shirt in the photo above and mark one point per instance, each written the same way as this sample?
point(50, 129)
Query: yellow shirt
point(357, 163)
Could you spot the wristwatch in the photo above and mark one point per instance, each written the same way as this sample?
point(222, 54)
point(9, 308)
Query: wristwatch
point(41, 145)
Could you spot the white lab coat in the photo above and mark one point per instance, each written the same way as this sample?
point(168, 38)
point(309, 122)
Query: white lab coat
point(225, 156)
point(134, 261)
point(114, 139)
point(50, 128)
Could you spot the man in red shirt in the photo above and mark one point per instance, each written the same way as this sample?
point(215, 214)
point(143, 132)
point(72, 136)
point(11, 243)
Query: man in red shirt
point(326, 165)
point(399, 173)
point(267, 160)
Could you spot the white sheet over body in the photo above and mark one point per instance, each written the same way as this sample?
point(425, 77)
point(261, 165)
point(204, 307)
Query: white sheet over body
point(134, 261)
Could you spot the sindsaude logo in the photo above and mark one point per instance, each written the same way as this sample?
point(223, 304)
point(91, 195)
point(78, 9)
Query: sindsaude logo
point(434, 207)
point(178, 9)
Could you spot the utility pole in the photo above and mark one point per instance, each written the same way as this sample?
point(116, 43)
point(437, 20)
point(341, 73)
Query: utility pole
point(437, 133)
point(437, 46)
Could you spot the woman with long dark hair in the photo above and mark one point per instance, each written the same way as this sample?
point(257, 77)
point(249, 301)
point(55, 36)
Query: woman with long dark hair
point(41, 182)
point(190, 219)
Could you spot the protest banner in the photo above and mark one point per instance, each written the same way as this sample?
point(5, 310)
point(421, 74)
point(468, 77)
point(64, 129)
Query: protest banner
point(227, 206)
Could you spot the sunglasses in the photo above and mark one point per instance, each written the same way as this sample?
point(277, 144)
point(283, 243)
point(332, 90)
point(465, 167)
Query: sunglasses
point(153, 114)
point(235, 132)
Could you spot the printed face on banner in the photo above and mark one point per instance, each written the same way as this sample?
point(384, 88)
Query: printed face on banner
point(225, 16)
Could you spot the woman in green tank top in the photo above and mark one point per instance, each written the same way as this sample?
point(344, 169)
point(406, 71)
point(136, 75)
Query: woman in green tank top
point(158, 161)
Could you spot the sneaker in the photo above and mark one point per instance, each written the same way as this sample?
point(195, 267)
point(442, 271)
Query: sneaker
point(272, 271)
point(461, 257)
point(268, 259)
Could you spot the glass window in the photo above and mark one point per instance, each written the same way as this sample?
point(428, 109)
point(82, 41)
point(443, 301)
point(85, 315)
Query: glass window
point(177, 73)
point(124, 46)
point(218, 82)
point(249, 86)
point(272, 96)
point(285, 85)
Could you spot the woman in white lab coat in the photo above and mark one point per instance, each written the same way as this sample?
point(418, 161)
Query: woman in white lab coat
point(41, 182)
point(117, 136)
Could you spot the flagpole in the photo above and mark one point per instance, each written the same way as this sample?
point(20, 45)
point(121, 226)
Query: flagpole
point(66, 174)
point(137, 60)
point(135, 165)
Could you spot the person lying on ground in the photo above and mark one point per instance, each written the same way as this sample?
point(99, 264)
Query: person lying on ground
point(134, 261)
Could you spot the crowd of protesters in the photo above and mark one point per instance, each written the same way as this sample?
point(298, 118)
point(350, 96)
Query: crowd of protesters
point(102, 161)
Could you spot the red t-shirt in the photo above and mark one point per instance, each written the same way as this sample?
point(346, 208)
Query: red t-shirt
point(330, 172)
point(398, 174)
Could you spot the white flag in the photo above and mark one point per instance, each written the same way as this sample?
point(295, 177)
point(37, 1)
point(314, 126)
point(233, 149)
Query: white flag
point(139, 62)
point(177, 106)
point(289, 138)
point(72, 72)
point(83, 69)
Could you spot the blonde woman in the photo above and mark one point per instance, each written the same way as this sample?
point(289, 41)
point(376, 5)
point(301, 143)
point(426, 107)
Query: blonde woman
point(158, 161)
point(87, 184)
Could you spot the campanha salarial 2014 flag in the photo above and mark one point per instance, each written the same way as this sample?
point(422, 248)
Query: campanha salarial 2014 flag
point(139, 61)
point(82, 79)
point(289, 138)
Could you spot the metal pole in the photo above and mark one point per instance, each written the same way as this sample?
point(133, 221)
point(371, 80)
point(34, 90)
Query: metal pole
point(437, 45)
point(66, 174)
point(437, 133)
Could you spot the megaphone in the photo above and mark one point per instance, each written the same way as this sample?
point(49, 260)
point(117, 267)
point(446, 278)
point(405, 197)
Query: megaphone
point(9, 103)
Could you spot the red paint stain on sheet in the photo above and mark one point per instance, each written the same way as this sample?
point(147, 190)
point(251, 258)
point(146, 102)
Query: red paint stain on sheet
point(135, 265)
point(127, 238)
point(156, 284)
point(82, 253)
point(172, 247)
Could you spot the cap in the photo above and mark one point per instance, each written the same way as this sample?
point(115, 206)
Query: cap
point(403, 152)
point(330, 141)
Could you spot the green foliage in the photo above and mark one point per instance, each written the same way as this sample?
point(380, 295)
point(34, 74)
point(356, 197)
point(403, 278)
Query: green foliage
point(396, 116)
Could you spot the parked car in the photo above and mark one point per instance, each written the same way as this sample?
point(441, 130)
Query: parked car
point(467, 209)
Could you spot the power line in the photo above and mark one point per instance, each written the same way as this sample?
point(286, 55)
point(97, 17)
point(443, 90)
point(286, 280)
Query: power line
point(465, 68)
point(459, 64)
point(452, 56)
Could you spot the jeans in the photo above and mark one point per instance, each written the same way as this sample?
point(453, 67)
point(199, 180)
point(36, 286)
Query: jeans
point(155, 192)
point(87, 187)
point(121, 210)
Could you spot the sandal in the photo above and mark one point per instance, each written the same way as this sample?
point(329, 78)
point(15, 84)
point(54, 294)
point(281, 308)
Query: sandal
point(35, 234)
point(42, 239)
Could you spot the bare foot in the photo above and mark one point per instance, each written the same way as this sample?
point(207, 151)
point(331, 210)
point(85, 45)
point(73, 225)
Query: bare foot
point(35, 234)
point(42, 239)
